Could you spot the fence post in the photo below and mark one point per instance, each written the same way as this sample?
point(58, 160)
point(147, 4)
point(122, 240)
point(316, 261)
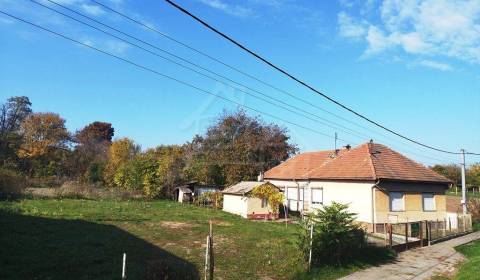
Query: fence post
point(430, 232)
point(421, 233)
point(211, 259)
point(385, 232)
point(390, 233)
point(449, 225)
point(207, 249)
point(124, 276)
point(406, 236)
point(311, 248)
point(444, 227)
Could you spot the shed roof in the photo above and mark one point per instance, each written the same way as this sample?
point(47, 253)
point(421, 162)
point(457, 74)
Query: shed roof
point(183, 189)
point(242, 187)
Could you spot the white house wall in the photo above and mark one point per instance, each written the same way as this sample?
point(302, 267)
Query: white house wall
point(357, 195)
point(235, 204)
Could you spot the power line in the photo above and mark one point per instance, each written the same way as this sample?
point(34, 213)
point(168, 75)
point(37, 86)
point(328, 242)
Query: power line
point(303, 83)
point(352, 132)
point(169, 37)
point(136, 21)
point(162, 75)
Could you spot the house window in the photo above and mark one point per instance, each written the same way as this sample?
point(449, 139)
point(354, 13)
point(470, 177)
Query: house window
point(292, 193)
point(397, 201)
point(317, 196)
point(428, 201)
point(264, 202)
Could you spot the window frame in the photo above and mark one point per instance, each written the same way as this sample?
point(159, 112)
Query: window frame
point(311, 196)
point(390, 200)
point(434, 202)
point(264, 202)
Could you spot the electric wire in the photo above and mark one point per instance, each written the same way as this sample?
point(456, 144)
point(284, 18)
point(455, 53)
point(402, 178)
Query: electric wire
point(187, 84)
point(305, 84)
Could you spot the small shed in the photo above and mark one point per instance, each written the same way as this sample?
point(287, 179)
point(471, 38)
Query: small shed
point(183, 194)
point(237, 201)
point(192, 190)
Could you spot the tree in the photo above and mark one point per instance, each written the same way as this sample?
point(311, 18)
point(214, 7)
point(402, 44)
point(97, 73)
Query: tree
point(473, 175)
point(170, 169)
point(91, 152)
point(336, 236)
point(44, 144)
point(451, 171)
point(12, 113)
point(120, 153)
point(238, 147)
point(42, 132)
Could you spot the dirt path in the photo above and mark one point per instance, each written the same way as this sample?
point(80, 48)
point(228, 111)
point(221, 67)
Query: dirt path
point(420, 263)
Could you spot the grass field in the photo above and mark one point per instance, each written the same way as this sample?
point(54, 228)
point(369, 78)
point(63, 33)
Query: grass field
point(85, 239)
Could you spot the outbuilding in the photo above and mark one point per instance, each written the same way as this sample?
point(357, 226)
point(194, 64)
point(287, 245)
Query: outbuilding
point(236, 200)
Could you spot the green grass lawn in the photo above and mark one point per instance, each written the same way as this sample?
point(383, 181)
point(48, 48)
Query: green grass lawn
point(85, 239)
point(471, 268)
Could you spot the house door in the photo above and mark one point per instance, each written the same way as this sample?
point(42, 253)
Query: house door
point(295, 199)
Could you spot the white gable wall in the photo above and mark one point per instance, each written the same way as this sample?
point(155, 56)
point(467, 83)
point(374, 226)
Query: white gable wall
point(236, 204)
point(358, 195)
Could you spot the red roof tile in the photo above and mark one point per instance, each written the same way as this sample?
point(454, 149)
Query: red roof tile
point(369, 161)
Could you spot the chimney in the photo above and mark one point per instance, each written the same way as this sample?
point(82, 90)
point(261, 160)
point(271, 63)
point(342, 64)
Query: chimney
point(260, 177)
point(348, 147)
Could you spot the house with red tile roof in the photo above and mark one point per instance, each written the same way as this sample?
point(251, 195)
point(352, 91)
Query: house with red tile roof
point(378, 183)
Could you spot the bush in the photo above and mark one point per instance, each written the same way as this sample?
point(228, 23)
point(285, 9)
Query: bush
point(12, 185)
point(210, 198)
point(337, 239)
point(474, 209)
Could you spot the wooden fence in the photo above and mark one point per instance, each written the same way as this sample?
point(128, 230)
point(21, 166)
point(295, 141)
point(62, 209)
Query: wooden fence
point(407, 235)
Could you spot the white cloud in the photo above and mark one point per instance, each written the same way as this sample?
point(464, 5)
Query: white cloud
point(445, 28)
point(435, 65)
point(348, 28)
point(93, 10)
point(234, 10)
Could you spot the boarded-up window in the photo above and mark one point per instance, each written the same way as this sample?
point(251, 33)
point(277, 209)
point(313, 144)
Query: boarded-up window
point(428, 201)
point(396, 201)
point(317, 196)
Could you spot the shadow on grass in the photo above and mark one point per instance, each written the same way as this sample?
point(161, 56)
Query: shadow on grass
point(43, 248)
point(367, 257)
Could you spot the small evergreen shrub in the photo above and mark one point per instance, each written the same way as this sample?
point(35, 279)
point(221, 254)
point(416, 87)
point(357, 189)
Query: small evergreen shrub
point(337, 238)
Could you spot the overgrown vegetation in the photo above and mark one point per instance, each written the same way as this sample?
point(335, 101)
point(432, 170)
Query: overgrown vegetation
point(38, 147)
point(271, 193)
point(215, 199)
point(453, 172)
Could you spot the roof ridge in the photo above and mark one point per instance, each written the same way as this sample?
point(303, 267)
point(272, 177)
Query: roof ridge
point(417, 163)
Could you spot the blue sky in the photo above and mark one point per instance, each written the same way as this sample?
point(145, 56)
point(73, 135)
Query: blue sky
point(411, 65)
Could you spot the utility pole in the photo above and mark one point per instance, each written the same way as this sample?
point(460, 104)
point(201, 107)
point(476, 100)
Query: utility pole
point(464, 198)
